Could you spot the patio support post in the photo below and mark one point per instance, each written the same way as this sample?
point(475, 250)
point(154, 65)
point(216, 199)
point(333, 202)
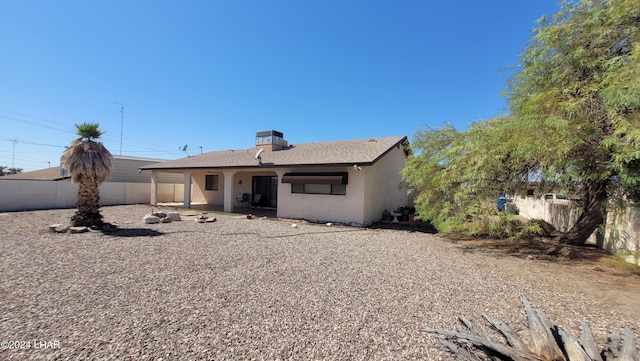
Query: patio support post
point(154, 187)
point(187, 189)
point(228, 191)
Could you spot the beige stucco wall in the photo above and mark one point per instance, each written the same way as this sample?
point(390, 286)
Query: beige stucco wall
point(370, 191)
point(323, 207)
point(242, 182)
point(384, 187)
point(198, 192)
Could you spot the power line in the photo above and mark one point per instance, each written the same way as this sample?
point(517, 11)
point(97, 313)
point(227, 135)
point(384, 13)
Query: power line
point(31, 116)
point(32, 123)
point(33, 143)
point(136, 143)
point(23, 160)
point(73, 132)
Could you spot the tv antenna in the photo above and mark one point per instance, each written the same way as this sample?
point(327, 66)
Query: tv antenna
point(184, 149)
point(122, 120)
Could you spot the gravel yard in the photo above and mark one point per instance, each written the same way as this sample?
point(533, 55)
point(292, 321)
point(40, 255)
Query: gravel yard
point(262, 289)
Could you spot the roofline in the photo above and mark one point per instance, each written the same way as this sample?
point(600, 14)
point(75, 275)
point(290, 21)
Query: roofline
point(265, 166)
point(400, 142)
point(258, 166)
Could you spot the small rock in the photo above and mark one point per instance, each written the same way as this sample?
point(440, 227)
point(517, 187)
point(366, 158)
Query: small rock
point(53, 227)
point(329, 224)
point(249, 216)
point(174, 216)
point(294, 225)
point(165, 220)
point(570, 253)
point(150, 219)
point(62, 228)
point(159, 214)
point(554, 250)
point(78, 229)
point(95, 229)
point(211, 220)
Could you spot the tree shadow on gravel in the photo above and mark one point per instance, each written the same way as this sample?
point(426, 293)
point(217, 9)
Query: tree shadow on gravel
point(133, 232)
point(422, 227)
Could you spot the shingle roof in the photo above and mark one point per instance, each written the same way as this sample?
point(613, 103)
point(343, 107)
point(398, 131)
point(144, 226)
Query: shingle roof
point(52, 173)
point(346, 152)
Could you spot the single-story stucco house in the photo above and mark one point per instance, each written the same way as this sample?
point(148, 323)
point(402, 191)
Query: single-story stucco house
point(351, 181)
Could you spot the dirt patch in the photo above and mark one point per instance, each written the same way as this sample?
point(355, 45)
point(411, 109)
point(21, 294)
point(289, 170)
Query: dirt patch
point(547, 250)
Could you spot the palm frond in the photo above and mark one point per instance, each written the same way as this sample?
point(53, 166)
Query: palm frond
point(87, 159)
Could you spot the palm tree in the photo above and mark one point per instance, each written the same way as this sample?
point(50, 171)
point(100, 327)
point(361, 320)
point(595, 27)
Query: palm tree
point(89, 164)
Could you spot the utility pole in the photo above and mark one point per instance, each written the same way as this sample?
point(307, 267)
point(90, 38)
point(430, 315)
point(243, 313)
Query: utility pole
point(13, 157)
point(122, 120)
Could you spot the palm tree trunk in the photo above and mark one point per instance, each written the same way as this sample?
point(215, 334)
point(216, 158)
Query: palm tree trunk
point(88, 199)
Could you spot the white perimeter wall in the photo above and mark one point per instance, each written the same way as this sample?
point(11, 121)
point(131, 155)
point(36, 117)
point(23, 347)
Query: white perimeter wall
point(621, 233)
point(621, 230)
point(17, 195)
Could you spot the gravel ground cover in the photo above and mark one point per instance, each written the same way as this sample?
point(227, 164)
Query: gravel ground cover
point(261, 289)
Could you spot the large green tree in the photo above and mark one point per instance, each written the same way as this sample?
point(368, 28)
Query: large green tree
point(89, 164)
point(574, 122)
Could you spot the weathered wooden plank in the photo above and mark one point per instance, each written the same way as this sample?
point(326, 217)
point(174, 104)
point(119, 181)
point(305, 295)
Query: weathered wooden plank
point(511, 337)
point(550, 342)
point(461, 352)
point(572, 347)
point(628, 351)
point(472, 327)
point(612, 350)
point(588, 342)
point(499, 348)
point(544, 344)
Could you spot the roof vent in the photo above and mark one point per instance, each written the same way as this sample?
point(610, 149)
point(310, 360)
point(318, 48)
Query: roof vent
point(372, 140)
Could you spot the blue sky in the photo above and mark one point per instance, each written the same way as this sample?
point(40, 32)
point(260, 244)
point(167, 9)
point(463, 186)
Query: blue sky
point(212, 73)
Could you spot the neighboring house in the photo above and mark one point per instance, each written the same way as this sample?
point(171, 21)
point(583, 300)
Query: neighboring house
point(351, 181)
point(123, 169)
point(51, 187)
point(49, 174)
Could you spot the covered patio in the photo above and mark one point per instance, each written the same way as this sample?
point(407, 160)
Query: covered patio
point(204, 207)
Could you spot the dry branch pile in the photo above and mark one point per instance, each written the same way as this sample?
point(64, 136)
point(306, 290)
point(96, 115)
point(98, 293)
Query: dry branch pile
point(550, 342)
